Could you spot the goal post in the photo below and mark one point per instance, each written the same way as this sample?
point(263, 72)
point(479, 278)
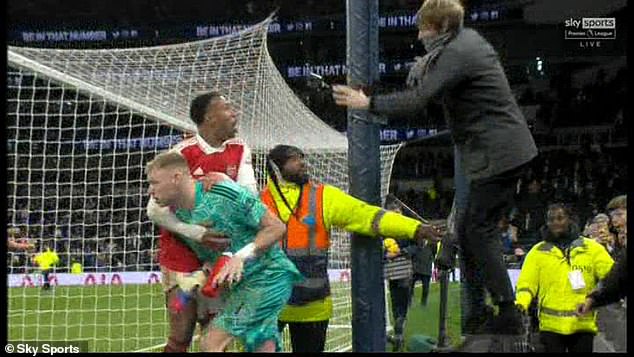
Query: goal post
point(81, 125)
point(362, 60)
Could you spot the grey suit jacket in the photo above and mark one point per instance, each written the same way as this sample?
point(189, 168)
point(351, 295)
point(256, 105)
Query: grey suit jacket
point(486, 124)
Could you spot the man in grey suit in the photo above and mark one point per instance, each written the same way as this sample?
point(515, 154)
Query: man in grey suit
point(462, 70)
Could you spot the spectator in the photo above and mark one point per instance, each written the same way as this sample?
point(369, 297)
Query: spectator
point(508, 235)
point(555, 272)
point(511, 249)
point(599, 230)
point(423, 256)
point(617, 208)
point(613, 289)
point(15, 241)
point(398, 272)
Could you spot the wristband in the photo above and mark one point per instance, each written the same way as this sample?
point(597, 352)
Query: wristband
point(247, 252)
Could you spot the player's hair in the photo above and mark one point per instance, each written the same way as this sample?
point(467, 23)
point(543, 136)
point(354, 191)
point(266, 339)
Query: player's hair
point(200, 105)
point(442, 15)
point(617, 202)
point(165, 160)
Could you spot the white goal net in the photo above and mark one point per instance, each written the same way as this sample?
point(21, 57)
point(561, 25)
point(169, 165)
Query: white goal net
point(81, 125)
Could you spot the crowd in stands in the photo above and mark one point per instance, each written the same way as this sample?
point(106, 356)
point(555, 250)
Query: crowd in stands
point(584, 179)
point(103, 225)
point(423, 165)
point(104, 232)
point(101, 222)
point(598, 102)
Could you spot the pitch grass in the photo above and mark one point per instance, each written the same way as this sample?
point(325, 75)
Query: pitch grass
point(127, 318)
point(110, 318)
point(423, 320)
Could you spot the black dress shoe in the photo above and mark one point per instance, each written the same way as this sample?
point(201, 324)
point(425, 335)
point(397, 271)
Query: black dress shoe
point(509, 323)
point(481, 323)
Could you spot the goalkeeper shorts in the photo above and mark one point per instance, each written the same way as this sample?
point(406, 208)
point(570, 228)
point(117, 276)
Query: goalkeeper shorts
point(253, 307)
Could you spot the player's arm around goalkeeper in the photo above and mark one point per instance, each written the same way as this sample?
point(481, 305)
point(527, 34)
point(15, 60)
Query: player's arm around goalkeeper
point(310, 210)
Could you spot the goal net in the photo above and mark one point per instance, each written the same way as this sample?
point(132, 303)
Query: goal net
point(81, 126)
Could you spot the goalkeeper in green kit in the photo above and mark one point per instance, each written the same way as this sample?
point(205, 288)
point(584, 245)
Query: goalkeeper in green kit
point(258, 279)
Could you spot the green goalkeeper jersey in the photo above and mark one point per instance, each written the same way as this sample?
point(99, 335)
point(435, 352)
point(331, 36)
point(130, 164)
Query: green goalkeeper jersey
point(253, 304)
point(236, 213)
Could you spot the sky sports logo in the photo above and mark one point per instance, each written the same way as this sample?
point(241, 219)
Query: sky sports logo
point(591, 28)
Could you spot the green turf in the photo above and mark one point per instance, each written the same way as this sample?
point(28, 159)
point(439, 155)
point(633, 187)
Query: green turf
point(132, 317)
point(111, 318)
point(423, 320)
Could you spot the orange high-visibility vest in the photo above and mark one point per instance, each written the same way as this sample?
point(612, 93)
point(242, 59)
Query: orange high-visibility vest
point(306, 244)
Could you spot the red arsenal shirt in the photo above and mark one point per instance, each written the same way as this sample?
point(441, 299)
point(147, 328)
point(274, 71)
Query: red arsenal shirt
point(232, 158)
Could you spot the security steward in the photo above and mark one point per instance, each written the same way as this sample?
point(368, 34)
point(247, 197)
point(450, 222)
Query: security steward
point(560, 271)
point(310, 210)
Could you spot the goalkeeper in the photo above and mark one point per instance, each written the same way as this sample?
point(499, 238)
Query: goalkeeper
point(310, 210)
point(259, 277)
point(45, 261)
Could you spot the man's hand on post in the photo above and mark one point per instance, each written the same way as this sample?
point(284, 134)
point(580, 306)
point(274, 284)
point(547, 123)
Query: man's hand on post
point(350, 97)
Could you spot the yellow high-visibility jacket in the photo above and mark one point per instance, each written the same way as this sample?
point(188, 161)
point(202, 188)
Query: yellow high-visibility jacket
point(76, 268)
point(46, 259)
point(545, 275)
point(346, 212)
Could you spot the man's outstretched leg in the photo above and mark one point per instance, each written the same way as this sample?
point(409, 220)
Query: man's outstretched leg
point(477, 316)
